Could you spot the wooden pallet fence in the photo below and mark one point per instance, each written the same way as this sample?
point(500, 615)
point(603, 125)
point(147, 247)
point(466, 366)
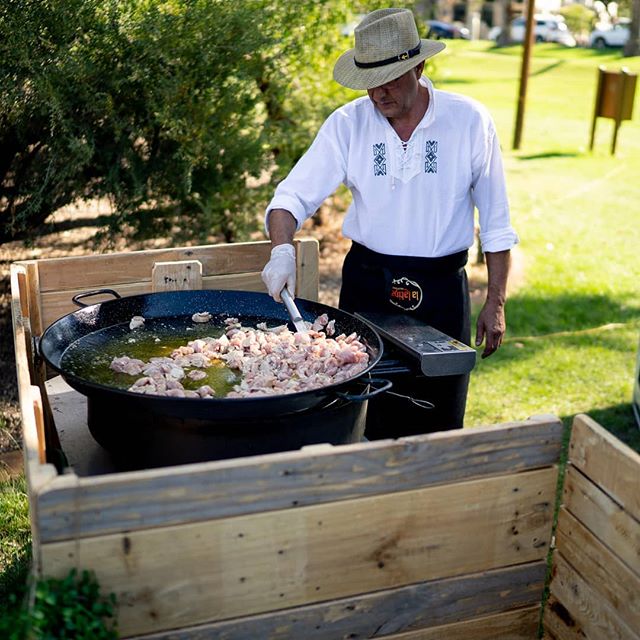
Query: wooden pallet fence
point(434, 536)
point(54, 281)
point(316, 534)
point(595, 589)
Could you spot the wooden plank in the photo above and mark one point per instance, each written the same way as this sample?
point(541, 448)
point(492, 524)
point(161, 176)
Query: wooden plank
point(24, 285)
point(39, 416)
point(46, 434)
point(179, 275)
point(58, 303)
point(252, 564)
point(365, 616)
point(162, 497)
point(233, 266)
point(606, 519)
point(96, 271)
point(596, 618)
point(21, 289)
point(22, 318)
point(307, 278)
point(607, 462)
point(610, 578)
point(521, 624)
point(37, 474)
point(33, 300)
point(559, 624)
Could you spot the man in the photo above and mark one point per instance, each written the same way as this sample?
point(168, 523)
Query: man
point(417, 161)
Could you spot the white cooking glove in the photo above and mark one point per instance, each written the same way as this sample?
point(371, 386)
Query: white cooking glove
point(280, 271)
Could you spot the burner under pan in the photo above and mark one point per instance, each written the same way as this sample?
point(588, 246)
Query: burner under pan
point(135, 442)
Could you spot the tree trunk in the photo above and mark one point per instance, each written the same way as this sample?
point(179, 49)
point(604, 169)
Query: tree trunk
point(504, 22)
point(632, 47)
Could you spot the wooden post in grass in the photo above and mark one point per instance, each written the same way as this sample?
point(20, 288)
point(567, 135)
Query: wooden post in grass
point(524, 75)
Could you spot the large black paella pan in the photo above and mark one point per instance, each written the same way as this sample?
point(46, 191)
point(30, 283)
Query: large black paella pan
point(189, 429)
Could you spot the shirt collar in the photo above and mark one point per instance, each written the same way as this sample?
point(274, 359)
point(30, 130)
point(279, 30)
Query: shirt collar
point(429, 114)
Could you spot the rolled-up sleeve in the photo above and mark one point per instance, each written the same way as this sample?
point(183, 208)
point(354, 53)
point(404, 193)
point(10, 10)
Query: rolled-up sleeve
point(490, 197)
point(313, 178)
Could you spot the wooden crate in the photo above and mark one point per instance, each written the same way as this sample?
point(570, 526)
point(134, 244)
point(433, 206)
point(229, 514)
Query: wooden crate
point(595, 589)
point(435, 536)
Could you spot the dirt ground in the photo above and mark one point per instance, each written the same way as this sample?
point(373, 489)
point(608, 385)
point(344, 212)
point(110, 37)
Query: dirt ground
point(70, 232)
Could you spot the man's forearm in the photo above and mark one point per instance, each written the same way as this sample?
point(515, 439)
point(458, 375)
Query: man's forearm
point(491, 324)
point(282, 227)
point(498, 264)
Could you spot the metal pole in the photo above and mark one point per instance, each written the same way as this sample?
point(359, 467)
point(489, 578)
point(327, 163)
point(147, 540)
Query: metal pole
point(524, 74)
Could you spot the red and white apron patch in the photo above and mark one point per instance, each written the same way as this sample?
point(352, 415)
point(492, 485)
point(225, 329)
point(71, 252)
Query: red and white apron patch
point(405, 294)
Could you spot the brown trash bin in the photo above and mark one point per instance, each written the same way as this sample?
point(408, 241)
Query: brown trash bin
point(614, 99)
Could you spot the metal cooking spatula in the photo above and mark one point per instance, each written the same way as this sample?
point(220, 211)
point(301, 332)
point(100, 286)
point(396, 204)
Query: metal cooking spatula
point(294, 314)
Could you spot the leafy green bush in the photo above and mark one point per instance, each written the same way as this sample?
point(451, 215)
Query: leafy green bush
point(166, 107)
point(148, 103)
point(68, 609)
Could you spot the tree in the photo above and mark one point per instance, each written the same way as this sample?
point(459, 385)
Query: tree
point(632, 46)
point(503, 9)
point(166, 107)
point(125, 100)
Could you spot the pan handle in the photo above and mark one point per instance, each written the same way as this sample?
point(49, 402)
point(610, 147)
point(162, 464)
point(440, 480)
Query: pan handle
point(385, 385)
point(96, 292)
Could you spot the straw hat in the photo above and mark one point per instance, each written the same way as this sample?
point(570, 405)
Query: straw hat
point(387, 46)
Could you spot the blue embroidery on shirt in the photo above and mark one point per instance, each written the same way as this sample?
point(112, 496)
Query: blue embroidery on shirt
point(379, 159)
point(431, 156)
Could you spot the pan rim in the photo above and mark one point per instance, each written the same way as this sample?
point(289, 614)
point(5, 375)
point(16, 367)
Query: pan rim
point(80, 383)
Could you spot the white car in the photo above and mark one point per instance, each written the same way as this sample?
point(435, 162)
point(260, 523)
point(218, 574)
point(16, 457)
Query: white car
point(547, 28)
point(610, 36)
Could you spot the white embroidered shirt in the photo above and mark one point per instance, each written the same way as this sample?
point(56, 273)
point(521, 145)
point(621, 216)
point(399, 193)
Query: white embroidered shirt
point(411, 200)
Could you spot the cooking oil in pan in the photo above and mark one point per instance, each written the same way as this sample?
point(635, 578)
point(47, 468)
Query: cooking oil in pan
point(90, 357)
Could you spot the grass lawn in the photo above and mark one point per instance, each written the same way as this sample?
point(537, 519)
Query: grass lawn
point(574, 322)
point(15, 541)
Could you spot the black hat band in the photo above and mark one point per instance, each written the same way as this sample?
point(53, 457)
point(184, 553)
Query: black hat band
point(399, 58)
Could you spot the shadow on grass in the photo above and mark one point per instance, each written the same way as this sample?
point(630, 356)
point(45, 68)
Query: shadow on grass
point(539, 50)
point(567, 350)
point(619, 421)
point(505, 48)
point(456, 81)
point(531, 315)
point(549, 154)
point(541, 327)
point(549, 67)
point(611, 53)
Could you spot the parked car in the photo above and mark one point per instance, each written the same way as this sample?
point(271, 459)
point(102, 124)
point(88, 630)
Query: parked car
point(443, 30)
point(611, 35)
point(547, 28)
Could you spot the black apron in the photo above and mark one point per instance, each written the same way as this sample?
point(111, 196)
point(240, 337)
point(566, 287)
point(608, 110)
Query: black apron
point(433, 290)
